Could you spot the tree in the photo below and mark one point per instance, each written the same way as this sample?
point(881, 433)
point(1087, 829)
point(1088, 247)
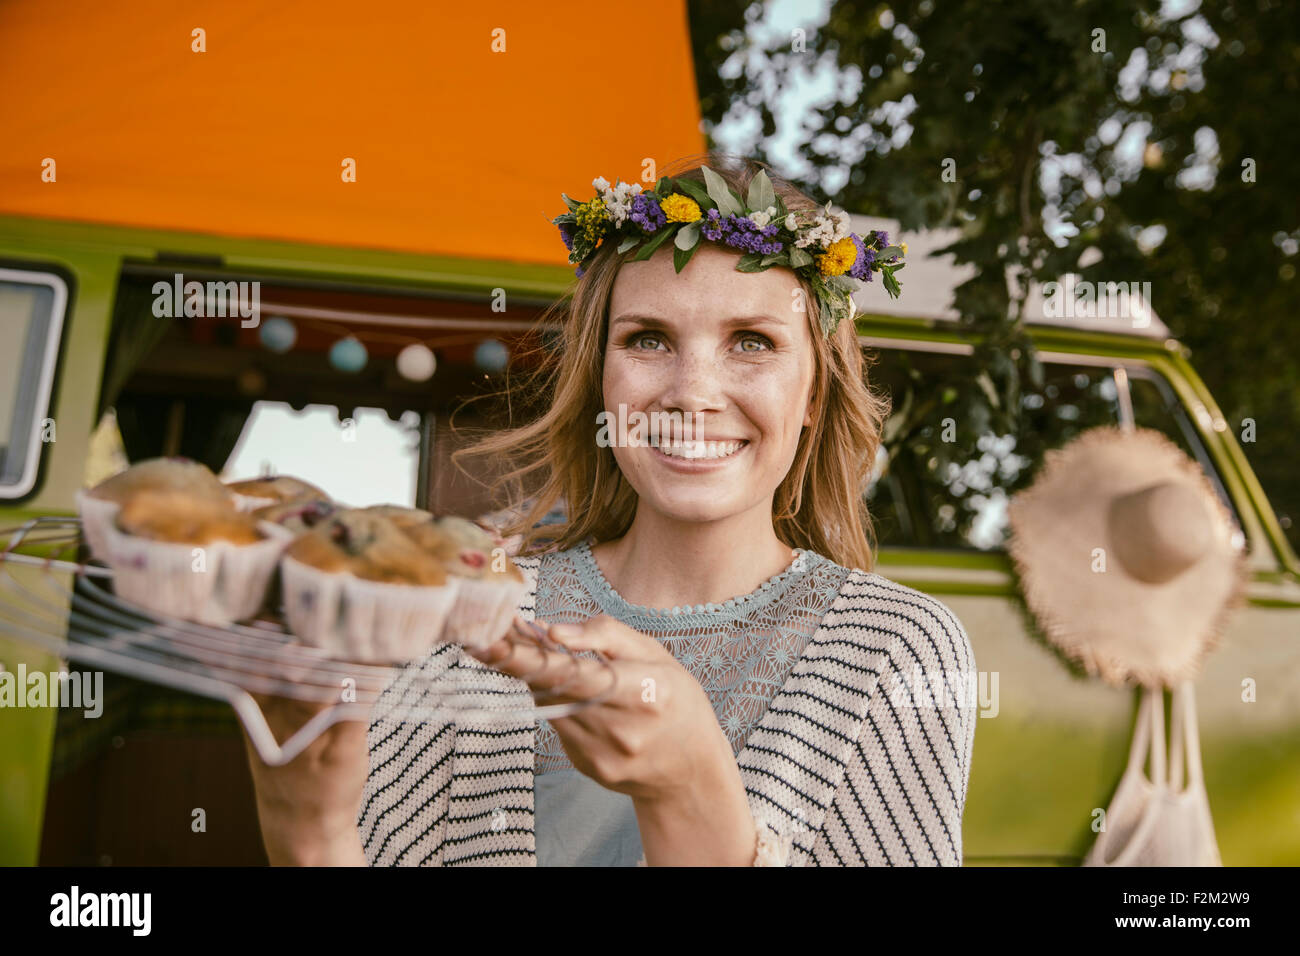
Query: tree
point(1160, 141)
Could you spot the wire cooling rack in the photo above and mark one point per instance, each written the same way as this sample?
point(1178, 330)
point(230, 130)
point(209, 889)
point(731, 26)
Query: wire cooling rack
point(51, 598)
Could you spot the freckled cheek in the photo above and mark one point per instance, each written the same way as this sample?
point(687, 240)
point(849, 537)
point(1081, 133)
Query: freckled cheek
point(628, 383)
point(773, 398)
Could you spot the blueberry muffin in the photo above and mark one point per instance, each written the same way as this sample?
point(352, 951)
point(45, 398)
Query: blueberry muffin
point(297, 516)
point(255, 493)
point(367, 546)
point(359, 587)
point(491, 586)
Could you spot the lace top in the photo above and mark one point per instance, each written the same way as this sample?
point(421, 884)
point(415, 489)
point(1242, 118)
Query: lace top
point(741, 650)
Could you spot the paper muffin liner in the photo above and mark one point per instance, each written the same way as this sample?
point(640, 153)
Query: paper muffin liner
point(484, 610)
point(359, 620)
point(97, 517)
point(229, 585)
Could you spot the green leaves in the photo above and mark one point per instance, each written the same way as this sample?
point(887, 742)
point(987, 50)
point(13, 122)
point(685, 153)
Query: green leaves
point(761, 193)
point(721, 194)
point(659, 238)
point(799, 258)
point(628, 242)
point(688, 240)
point(891, 284)
point(688, 235)
point(750, 262)
point(695, 191)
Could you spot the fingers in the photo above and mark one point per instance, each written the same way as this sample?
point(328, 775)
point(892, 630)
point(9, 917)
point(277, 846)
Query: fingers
point(609, 636)
point(556, 675)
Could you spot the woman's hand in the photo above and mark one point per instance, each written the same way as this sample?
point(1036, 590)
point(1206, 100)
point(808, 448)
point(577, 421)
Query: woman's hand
point(308, 807)
point(654, 737)
point(651, 737)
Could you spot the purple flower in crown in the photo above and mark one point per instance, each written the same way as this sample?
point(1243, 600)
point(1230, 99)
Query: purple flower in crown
point(711, 226)
point(741, 232)
point(882, 239)
point(861, 268)
point(646, 212)
point(566, 233)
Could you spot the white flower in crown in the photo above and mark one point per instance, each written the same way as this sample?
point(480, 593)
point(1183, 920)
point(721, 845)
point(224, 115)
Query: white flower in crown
point(820, 233)
point(618, 201)
point(791, 223)
point(843, 226)
point(828, 227)
point(763, 217)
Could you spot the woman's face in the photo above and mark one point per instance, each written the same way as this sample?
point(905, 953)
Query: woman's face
point(729, 358)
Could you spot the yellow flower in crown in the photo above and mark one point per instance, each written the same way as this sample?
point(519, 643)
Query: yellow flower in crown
point(592, 218)
point(903, 246)
point(838, 258)
point(679, 208)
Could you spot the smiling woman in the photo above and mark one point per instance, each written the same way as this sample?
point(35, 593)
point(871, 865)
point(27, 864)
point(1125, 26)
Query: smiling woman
point(723, 566)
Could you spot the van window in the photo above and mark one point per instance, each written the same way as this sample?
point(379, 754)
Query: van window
point(945, 482)
point(32, 306)
point(366, 460)
point(1156, 406)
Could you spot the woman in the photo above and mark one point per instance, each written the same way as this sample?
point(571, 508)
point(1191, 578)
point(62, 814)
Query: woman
point(774, 700)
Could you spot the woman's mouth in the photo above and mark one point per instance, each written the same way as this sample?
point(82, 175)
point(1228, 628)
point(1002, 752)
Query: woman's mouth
point(697, 454)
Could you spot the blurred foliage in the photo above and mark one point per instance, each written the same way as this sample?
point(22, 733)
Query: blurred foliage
point(1058, 145)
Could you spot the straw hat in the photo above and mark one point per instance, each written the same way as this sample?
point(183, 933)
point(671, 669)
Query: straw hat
point(1127, 557)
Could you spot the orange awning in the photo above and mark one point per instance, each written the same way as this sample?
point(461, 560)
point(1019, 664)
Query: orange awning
point(459, 150)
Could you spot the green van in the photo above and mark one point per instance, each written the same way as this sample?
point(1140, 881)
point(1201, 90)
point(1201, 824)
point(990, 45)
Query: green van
point(87, 361)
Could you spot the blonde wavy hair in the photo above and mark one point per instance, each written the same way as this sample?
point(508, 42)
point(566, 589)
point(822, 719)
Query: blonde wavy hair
point(819, 506)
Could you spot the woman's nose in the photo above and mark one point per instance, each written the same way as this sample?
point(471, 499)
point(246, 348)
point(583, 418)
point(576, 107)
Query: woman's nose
point(694, 384)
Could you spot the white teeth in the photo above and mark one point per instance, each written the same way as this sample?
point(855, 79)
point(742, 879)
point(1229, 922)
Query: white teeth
point(701, 449)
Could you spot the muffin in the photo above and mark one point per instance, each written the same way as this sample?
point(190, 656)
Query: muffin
point(491, 586)
point(255, 493)
point(401, 516)
point(297, 516)
point(177, 518)
point(98, 506)
point(193, 558)
point(357, 586)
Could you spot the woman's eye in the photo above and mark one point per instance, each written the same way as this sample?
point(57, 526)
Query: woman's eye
point(761, 340)
point(636, 340)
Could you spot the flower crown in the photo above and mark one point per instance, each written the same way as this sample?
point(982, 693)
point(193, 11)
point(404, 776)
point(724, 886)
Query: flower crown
point(817, 245)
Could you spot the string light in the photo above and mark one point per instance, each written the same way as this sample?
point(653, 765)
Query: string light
point(278, 334)
point(491, 356)
point(416, 362)
point(348, 355)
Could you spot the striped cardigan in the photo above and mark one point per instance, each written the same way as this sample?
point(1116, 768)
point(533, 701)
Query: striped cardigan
point(852, 763)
